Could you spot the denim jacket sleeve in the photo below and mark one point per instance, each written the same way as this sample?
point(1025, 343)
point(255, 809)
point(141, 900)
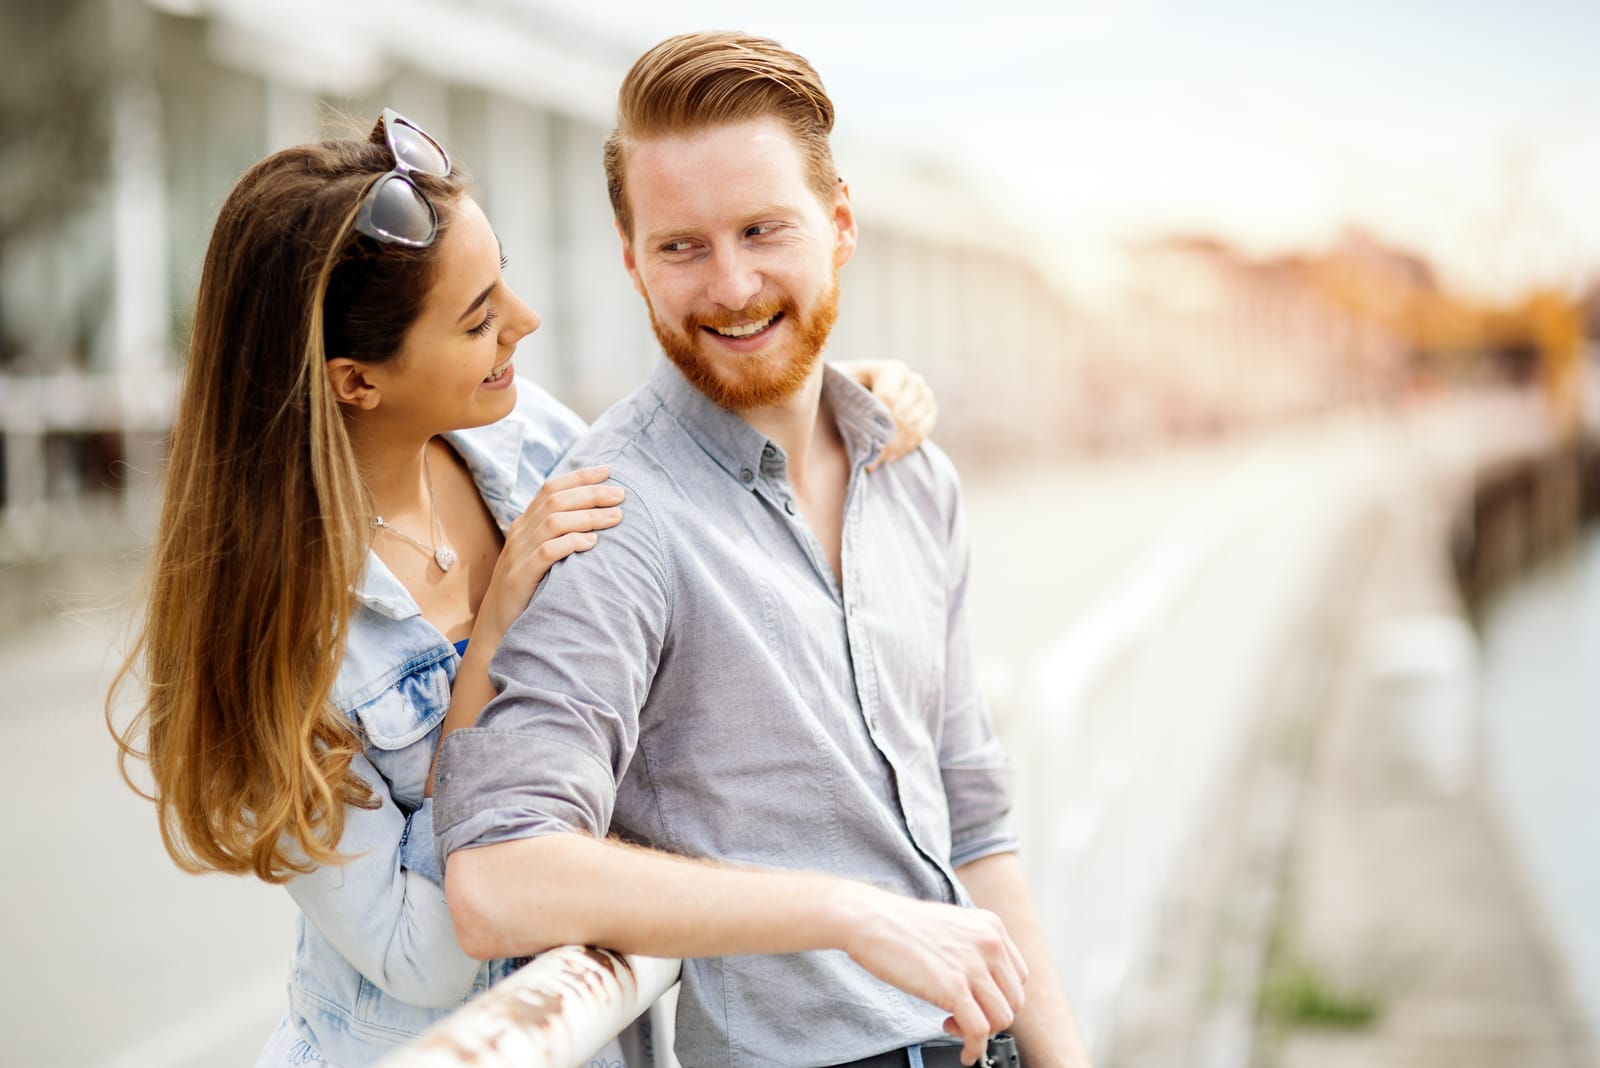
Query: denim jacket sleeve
point(387, 918)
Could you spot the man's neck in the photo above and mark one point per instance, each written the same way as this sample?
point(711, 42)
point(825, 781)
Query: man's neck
point(818, 461)
point(794, 425)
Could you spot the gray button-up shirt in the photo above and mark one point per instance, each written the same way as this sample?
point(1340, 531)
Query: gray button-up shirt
point(699, 681)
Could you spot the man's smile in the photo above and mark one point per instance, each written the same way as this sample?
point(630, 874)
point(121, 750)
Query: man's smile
point(746, 330)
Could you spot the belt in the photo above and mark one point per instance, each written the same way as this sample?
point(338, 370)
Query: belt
point(1002, 1053)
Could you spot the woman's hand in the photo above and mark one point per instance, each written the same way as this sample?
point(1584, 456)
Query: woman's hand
point(908, 398)
point(562, 520)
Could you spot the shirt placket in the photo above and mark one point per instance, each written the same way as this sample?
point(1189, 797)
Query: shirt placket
point(864, 668)
point(775, 479)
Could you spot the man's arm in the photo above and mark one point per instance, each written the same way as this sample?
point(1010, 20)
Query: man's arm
point(1045, 1029)
point(523, 896)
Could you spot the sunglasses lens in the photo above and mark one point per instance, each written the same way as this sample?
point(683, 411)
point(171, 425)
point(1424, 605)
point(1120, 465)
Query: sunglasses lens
point(398, 212)
point(416, 151)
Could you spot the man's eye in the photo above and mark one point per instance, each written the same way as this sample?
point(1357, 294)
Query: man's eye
point(677, 246)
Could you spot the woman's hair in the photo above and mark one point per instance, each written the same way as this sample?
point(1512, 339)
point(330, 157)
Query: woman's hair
point(264, 526)
point(698, 80)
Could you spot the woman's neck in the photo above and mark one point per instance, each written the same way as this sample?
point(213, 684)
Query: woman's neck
point(392, 468)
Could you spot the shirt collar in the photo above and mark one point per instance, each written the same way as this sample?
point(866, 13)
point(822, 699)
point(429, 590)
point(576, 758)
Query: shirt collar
point(738, 447)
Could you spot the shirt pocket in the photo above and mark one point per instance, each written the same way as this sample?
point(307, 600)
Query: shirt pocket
point(400, 729)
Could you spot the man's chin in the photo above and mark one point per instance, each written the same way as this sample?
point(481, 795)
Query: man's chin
point(754, 381)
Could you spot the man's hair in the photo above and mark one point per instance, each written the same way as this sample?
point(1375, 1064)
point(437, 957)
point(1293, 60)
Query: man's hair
point(698, 80)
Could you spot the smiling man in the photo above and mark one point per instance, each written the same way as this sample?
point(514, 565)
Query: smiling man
point(766, 666)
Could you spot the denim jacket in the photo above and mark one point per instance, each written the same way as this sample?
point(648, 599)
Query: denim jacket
point(376, 961)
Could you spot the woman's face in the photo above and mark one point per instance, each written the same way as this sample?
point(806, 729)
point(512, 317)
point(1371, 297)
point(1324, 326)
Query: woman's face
point(453, 369)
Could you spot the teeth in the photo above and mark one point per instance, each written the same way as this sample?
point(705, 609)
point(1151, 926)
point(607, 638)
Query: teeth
point(499, 370)
point(747, 329)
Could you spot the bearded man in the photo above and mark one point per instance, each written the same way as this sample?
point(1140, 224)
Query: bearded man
point(759, 685)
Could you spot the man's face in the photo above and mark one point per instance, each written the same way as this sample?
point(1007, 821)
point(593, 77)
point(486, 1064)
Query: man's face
point(736, 258)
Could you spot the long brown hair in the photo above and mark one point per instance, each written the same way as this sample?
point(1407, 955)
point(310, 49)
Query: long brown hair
point(264, 530)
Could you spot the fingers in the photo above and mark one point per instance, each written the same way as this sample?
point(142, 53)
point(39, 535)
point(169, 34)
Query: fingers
point(972, 1027)
point(556, 549)
point(915, 411)
point(583, 476)
point(561, 507)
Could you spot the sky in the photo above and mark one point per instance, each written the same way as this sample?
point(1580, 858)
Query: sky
point(1468, 131)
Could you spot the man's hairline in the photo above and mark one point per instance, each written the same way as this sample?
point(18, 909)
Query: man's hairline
point(625, 142)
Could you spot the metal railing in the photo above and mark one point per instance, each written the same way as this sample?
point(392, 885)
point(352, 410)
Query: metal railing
point(556, 1012)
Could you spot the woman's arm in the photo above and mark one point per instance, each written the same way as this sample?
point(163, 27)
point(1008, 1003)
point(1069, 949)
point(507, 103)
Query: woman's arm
point(562, 520)
point(389, 920)
point(907, 396)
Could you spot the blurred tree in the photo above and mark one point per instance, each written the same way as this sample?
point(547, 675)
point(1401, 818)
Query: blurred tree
point(56, 73)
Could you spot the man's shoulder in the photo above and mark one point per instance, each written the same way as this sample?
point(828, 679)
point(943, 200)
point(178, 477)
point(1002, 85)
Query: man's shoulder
point(930, 477)
point(648, 451)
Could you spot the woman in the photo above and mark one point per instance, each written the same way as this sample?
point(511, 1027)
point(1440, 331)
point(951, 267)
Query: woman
point(356, 509)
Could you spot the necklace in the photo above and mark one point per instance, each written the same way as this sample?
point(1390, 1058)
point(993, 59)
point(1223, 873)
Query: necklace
point(443, 555)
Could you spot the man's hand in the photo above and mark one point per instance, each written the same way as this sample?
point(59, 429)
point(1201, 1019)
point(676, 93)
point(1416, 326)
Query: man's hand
point(1047, 1035)
point(961, 960)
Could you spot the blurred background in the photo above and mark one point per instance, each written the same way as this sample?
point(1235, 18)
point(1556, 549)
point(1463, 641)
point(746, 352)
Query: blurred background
point(1265, 340)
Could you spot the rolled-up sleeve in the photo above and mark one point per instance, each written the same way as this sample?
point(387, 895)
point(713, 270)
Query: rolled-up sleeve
point(571, 676)
point(386, 917)
point(978, 779)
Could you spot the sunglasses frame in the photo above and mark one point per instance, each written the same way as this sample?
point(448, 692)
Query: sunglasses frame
point(393, 121)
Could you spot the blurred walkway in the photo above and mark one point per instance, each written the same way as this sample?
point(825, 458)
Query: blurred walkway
point(1402, 888)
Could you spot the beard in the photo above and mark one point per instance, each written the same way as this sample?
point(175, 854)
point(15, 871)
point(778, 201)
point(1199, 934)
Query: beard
point(758, 379)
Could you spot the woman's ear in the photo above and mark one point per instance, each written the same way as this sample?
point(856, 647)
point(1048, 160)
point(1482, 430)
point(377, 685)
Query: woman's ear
point(350, 385)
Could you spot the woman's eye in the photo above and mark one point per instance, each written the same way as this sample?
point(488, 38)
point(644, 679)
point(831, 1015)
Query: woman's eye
point(483, 327)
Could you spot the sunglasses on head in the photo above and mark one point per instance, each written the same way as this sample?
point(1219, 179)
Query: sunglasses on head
point(394, 210)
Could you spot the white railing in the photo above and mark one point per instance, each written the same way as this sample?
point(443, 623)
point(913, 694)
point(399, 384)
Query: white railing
point(556, 1012)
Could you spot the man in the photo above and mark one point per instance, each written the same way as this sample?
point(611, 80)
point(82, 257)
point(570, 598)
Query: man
point(766, 664)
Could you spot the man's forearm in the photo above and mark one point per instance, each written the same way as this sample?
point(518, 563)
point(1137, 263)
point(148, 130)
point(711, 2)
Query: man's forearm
point(524, 896)
point(520, 897)
point(1046, 1031)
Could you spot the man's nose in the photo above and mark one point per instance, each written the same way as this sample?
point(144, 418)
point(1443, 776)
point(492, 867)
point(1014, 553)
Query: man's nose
point(734, 280)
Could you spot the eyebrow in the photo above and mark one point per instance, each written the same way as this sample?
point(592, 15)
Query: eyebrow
point(477, 302)
point(481, 297)
point(784, 212)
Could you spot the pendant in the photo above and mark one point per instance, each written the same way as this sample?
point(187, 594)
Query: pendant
point(444, 556)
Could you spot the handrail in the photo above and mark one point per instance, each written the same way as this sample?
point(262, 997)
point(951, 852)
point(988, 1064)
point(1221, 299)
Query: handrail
point(554, 1012)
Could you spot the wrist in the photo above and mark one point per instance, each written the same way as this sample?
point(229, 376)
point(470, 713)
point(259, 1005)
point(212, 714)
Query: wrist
point(845, 907)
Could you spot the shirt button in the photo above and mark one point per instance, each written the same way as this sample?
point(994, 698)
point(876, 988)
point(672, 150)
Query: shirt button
point(746, 475)
point(788, 505)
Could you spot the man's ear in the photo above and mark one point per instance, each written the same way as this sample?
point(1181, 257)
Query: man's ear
point(628, 262)
point(350, 385)
point(844, 225)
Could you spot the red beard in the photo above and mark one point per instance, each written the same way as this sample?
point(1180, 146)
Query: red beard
point(759, 379)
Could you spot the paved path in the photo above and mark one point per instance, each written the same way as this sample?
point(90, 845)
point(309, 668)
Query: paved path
point(1403, 886)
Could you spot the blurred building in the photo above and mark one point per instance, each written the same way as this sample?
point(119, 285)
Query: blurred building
point(162, 104)
point(1207, 339)
point(96, 303)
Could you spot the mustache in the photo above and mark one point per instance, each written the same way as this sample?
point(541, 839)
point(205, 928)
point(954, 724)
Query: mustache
point(757, 309)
